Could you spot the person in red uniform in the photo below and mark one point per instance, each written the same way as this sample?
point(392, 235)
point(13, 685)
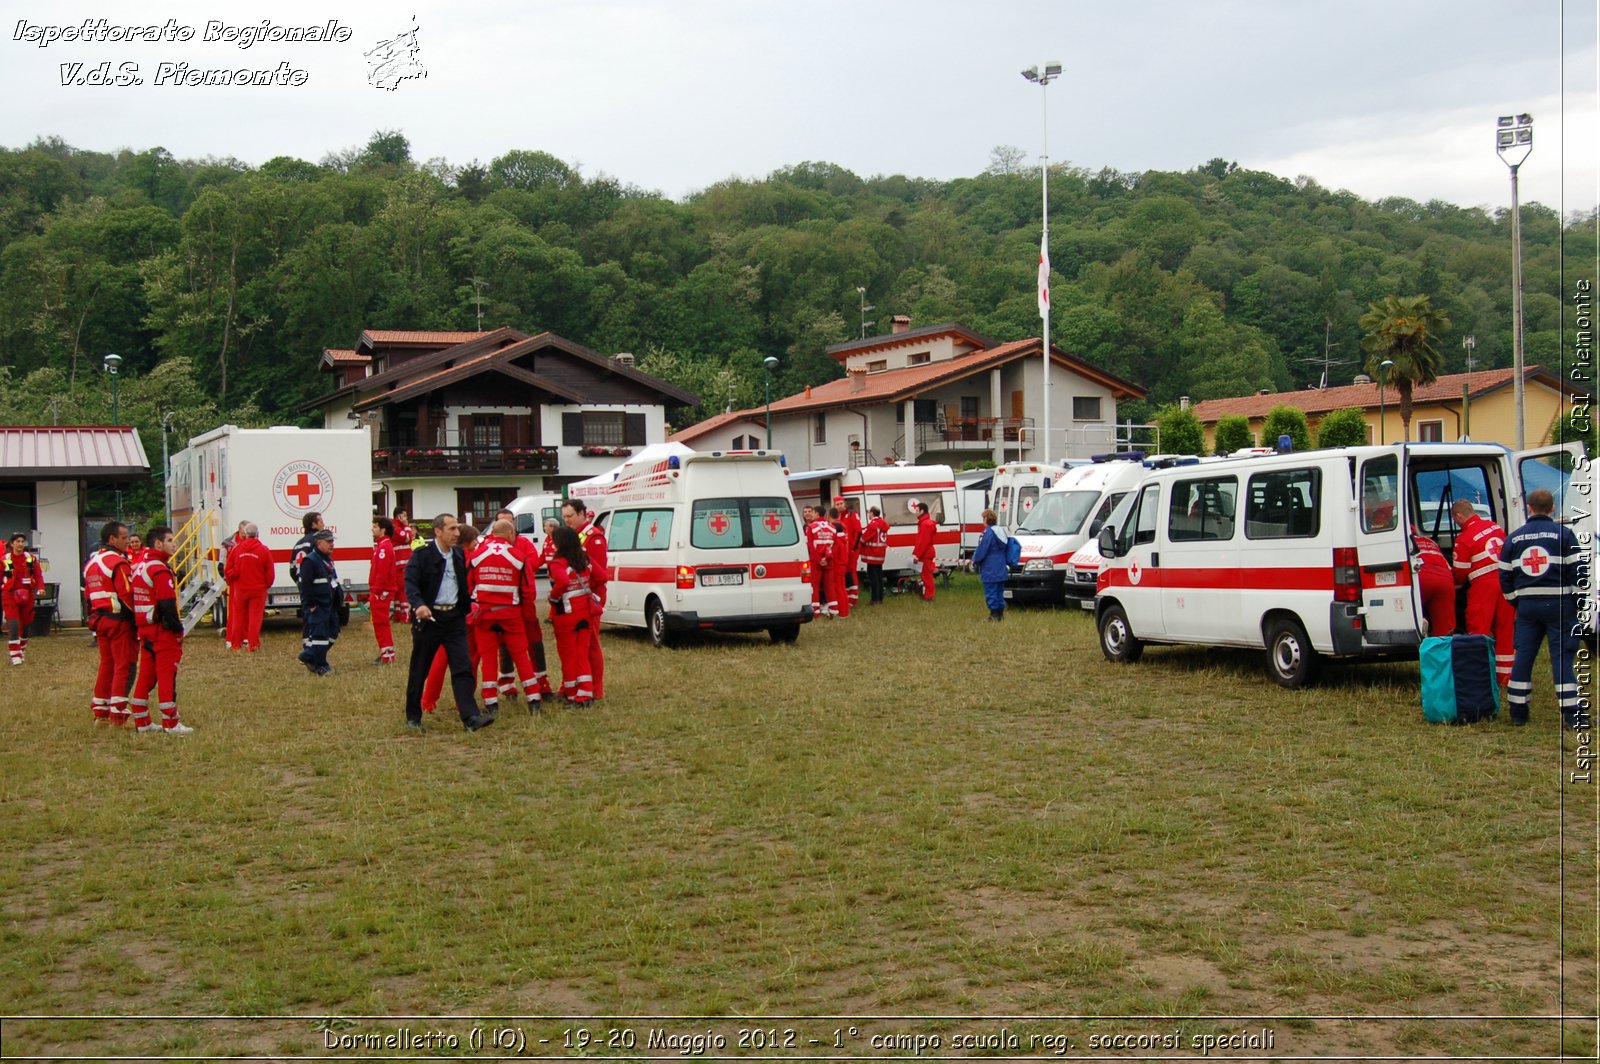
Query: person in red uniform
point(852, 539)
point(923, 552)
point(574, 613)
point(404, 538)
point(249, 574)
point(135, 549)
point(20, 586)
point(874, 549)
point(837, 591)
point(108, 584)
point(593, 540)
point(155, 609)
point(1477, 564)
point(808, 520)
point(820, 536)
point(497, 576)
point(382, 588)
point(433, 685)
point(533, 561)
point(1437, 584)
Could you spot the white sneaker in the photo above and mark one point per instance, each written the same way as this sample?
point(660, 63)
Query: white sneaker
point(179, 728)
point(146, 728)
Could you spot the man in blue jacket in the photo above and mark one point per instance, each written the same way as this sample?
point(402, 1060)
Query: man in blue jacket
point(993, 562)
point(1540, 567)
point(320, 591)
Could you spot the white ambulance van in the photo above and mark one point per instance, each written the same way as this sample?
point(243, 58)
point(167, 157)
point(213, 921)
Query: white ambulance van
point(274, 477)
point(705, 541)
point(1062, 520)
point(896, 491)
point(1017, 486)
point(1308, 555)
point(530, 512)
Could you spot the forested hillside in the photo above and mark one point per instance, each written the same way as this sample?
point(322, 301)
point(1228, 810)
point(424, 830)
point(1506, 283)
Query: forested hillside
point(1211, 282)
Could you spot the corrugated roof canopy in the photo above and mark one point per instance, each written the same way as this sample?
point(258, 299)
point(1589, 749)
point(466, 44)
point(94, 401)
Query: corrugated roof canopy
point(71, 452)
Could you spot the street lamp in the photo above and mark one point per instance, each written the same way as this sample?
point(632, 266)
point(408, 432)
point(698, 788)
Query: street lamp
point(1051, 72)
point(771, 364)
point(1513, 142)
point(166, 462)
point(113, 364)
point(1468, 342)
point(1383, 435)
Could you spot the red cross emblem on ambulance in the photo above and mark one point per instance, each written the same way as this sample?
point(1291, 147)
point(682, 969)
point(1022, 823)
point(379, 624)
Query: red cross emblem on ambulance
point(772, 522)
point(719, 523)
point(1533, 561)
point(302, 486)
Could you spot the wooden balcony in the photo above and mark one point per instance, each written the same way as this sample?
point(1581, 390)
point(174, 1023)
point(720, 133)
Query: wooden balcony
point(977, 433)
point(446, 461)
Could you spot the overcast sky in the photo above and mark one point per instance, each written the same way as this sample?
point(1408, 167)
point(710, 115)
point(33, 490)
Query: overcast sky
point(1382, 97)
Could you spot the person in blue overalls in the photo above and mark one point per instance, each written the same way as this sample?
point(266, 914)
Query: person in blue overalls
point(1539, 573)
point(320, 591)
point(993, 565)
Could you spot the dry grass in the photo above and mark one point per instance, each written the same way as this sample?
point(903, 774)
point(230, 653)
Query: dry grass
point(911, 812)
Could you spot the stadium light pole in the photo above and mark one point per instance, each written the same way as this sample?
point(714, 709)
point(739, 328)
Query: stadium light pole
point(1468, 343)
point(1513, 142)
point(1383, 429)
point(771, 364)
point(1051, 72)
point(113, 364)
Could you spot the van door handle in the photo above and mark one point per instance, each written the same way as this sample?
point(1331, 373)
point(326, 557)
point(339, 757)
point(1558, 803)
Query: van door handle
point(1155, 557)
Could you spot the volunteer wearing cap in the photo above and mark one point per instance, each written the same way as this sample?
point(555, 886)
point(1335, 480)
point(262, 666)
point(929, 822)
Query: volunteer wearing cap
point(320, 591)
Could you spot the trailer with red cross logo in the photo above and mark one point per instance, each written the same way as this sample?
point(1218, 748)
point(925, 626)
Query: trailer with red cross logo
point(705, 541)
point(273, 478)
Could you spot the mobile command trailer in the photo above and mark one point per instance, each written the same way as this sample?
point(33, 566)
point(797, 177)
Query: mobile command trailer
point(896, 491)
point(1064, 518)
point(1308, 555)
point(274, 477)
point(705, 541)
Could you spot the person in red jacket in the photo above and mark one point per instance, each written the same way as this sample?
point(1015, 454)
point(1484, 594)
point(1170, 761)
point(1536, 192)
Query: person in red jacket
point(249, 575)
point(837, 592)
point(1477, 564)
point(497, 575)
point(852, 539)
point(593, 540)
point(382, 588)
point(108, 584)
point(819, 542)
point(20, 586)
point(923, 552)
point(1437, 585)
point(874, 549)
point(574, 613)
point(404, 538)
point(155, 609)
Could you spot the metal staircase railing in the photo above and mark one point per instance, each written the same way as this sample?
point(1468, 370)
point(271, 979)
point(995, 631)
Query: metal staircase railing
point(195, 567)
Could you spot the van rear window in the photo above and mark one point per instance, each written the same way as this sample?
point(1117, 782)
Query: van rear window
point(751, 521)
point(640, 530)
point(900, 508)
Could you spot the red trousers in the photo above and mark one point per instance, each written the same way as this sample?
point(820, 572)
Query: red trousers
point(833, 583)
point(497, 629)
point(597, 658)
point(246, 607)
point(576, 646)
point(440, 669)
point(535, 633)
point(1438, 601)
point(160, 652)
point(19, 616)
point(118, 644)
point(930, 569)
point(819, 588)
point(382, 630)
point(1488, 613)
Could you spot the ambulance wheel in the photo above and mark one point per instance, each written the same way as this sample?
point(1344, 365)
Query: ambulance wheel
point(655, 618)
point(1117, 641)
point(784, 633)
point(1290, 659)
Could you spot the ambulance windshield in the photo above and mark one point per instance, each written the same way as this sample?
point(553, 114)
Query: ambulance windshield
point(1059, 513)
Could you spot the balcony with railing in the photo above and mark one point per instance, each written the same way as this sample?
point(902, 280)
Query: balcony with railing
point(445, 461)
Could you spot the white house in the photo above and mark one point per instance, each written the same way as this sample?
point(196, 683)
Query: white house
point(465, 422)
point(939, 394)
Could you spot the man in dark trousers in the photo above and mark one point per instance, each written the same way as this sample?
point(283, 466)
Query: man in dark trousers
point(436, 588)
point(323, 596)
point(1542, 571)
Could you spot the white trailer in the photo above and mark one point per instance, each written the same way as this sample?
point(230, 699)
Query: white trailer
point(274, 477)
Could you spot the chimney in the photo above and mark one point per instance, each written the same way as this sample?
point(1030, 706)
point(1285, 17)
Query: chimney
point(899, 323)
point(624, 357)
point(858, 379)
point(1264, 391)
point(1183, 402)
point(1362, 378)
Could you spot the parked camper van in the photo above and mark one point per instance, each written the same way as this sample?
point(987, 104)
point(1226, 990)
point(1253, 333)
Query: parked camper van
point(1308, 555)
point(896, 491)
point(705, 541)
point(1062, 520)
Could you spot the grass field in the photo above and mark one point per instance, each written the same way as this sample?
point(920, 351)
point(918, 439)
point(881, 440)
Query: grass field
point(909, 813)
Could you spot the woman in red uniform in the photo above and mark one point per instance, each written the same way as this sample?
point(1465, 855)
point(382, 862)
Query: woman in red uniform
point(574, 613)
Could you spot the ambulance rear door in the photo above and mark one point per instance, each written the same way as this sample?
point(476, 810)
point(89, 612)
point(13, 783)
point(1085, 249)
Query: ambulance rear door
point(1390, 606)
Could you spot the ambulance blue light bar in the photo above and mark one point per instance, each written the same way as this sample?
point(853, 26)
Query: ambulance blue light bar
point(673, 463)
point(1119, 456)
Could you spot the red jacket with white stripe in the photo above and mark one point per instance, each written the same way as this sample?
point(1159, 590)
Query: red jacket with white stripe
point(107, 581)
point(875, 541)
point(383, 578)
point(495, 574)
point(1477, 551)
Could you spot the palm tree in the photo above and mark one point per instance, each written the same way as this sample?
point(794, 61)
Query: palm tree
point(1401, 329)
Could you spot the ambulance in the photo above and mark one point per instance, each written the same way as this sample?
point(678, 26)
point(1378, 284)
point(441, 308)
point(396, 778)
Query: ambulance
point(274, 477)
point(1305, 554)
point(972, 498)
point(705, 541)
point(1017, 486)
point(896, 491)
point(530, 512)
point(1063, 519)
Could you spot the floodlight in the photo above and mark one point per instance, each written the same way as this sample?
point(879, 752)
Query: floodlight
point(1052, 69)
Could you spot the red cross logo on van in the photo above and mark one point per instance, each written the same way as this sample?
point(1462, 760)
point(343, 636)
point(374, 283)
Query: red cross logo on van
point(772, 522)
point(1534, 561)
point(303, 491)
point(302, 486)
point(719, 524)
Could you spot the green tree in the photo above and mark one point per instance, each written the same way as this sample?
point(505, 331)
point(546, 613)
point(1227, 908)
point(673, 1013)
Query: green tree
point(1181, 431)
point(1401, 330)
point(1286, 421)
point(1233, 434)
point(1343, 428)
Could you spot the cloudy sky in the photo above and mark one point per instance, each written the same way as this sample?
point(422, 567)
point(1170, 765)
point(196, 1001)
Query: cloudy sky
point(1382, 97)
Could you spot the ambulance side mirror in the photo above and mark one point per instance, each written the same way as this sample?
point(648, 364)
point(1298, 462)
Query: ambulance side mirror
point(1108, 542)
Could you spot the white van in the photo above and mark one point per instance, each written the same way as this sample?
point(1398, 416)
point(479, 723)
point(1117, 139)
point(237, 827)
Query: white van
point(530, 513)
point(1062, 520)
point(1306, 554)
point(896, 491)
point(705, 541)
point(1017, 486)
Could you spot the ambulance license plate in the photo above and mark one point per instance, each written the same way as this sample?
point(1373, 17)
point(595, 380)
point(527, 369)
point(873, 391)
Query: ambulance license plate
point(1006, 593)
point(722, 579)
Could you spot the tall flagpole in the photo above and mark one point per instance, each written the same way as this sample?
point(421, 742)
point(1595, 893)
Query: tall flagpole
point(1051, 72)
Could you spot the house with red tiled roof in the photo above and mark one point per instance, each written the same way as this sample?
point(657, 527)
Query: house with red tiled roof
point(941, 394)
point(464, 422)
point(1479, 405)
